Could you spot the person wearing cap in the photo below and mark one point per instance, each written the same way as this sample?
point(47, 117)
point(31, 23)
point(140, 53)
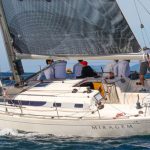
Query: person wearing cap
point(77, 69)
point(87, 71)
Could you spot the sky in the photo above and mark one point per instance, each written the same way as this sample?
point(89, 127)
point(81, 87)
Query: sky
point(129, 11)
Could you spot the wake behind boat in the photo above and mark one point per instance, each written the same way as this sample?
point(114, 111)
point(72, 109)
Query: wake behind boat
point(90, 107)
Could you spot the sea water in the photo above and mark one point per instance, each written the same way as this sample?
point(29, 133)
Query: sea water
point(15, 140)
point(12, 139)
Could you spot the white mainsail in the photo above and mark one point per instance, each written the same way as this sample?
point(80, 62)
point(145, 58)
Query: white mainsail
point(68, 28)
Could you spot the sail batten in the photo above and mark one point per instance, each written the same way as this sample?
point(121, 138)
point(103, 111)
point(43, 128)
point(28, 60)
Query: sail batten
point(68, 27)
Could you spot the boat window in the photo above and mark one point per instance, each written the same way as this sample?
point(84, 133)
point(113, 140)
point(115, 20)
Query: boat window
point(78, 105)
point(27, 103)
point(56, 104)
point(42, 84)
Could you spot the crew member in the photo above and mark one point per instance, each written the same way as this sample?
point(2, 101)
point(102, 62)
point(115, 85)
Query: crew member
point(111, 70)
point(87, 71)
point(124, 68)
point(48, 73)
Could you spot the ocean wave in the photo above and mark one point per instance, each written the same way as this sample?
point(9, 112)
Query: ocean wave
point(13, 139)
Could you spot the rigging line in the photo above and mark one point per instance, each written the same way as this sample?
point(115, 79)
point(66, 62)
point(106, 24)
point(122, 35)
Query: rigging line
point(149, 14)
point(142, 26)
point(137, 12)
point(144, 7)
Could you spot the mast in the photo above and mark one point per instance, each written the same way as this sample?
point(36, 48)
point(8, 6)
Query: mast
point(8, 44)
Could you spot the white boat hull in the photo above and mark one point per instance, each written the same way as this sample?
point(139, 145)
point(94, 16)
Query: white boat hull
point(78, 112)
point(77, 127)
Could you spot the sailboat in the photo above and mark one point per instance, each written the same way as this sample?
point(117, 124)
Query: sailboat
point(71, 29)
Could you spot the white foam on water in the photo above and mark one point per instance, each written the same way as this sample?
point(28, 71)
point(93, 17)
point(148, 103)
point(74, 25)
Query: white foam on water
point(33, 135)
point(8, 131)
point(16, 133)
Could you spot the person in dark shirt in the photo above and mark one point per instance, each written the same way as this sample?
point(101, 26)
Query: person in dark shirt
point(87, 71)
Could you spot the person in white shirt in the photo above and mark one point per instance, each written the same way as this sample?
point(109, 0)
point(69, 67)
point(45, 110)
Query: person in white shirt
point(77, 69)
point(111, 70)
point(144, 65)
point(48, 73)
point(123, 68)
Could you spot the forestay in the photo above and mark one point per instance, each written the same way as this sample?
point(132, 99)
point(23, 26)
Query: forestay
point(68, 27)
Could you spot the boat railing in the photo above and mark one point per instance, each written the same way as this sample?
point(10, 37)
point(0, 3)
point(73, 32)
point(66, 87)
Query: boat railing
point(14, 110)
